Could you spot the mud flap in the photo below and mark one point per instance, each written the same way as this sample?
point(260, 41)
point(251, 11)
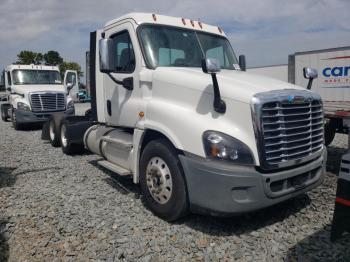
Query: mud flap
point(341, 217)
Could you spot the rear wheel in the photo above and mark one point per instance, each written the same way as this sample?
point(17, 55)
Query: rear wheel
point(4, 113)
point(68, 147)
point(162, 181)
point(54, 134)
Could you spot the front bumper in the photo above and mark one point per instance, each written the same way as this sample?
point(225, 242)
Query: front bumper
point(23, 116)
point(220, 188)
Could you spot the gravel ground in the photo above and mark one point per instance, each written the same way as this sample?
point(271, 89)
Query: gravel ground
point(55, 207)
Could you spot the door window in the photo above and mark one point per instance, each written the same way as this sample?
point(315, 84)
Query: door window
point(125, 57)
point(9, 81)
point(71, 78)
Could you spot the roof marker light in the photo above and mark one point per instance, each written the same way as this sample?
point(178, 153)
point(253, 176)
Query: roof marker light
point(154, 17)
point(192, 23)
point(200, 24)
point(220, 30)
point(183, 21)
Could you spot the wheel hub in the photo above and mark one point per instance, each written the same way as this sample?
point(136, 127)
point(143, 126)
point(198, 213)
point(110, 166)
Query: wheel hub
point(159, 181)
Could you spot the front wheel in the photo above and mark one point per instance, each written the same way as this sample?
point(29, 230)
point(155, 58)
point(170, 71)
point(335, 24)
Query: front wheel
point(329, 133)
point(53, 134)
point(16, 125)
point(162, 181)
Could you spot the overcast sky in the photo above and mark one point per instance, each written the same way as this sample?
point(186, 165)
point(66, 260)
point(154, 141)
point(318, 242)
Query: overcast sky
point(266, 31)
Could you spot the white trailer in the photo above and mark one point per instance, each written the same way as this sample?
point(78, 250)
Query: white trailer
point(333, 83)
point(173, 108)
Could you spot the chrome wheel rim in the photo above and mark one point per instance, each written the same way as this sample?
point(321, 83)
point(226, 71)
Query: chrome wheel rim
point(63, 136)
point(52, 132)
point(159, 181)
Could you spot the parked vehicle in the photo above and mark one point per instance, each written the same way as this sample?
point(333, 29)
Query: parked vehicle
point(194, 138)
point(35, 92)
point(83, 96)
point(333, 84)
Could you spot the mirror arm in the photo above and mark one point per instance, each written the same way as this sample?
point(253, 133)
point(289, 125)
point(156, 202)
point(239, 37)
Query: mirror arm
point(114, 79)
point(219, 104)
point(126, 83)
point(15, 93)
point(309, 84)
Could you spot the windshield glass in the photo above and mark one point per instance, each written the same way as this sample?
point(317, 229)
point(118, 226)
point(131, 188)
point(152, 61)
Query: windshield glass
point(36, 77)
point(170, 46)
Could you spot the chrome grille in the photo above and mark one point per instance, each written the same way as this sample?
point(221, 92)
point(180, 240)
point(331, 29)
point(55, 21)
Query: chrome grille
point(42, 102)
point(290, 128)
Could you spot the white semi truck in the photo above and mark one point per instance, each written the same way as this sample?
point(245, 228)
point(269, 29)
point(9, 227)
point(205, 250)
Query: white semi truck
point(173, 107)
point(35, 92)
point(333, 83)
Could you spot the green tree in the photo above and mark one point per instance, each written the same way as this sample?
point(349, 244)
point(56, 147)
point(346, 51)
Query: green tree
point(26, 57)
point(71, 66)
point(53, 58)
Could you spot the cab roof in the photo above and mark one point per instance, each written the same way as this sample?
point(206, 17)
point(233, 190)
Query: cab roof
point(149, 18)
point(33, 67)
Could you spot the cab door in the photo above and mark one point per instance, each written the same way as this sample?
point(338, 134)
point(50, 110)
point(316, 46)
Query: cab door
point(8, 85)
point(122, 103)
point(71, 83)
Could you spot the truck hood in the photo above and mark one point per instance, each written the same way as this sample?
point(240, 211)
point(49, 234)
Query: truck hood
point(26, 89)
point(234, 84)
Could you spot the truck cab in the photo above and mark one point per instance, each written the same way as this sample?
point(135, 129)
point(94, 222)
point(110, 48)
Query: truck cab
point(173, 107)
point(35, 92)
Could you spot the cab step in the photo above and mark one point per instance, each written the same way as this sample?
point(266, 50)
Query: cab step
point(114, 168)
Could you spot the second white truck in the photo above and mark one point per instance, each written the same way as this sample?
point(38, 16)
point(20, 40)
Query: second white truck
point(34, 92)
point(173, 107)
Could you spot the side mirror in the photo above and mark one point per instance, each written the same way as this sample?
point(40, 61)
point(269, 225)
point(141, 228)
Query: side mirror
point(70, 86)
point(211, 66)
point(310, 73)
point(242, 62)
point(107, 60)
point(8, 89)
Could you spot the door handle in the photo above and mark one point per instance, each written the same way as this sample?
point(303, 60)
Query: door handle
point(109, 107)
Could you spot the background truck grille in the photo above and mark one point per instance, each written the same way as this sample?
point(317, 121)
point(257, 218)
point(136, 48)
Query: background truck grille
point(292, 131)
point(41, 102)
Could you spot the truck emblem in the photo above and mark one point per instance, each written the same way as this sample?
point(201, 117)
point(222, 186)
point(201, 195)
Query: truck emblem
point(295, 99)
point(290, 99)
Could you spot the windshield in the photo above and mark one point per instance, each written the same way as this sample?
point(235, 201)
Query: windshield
point(170, 46)
point(36, 77)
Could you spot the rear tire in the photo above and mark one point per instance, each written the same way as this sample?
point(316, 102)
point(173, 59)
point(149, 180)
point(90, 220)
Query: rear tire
point(54, 134)
point(162, 181)
point(67, 146)
point(4, 113)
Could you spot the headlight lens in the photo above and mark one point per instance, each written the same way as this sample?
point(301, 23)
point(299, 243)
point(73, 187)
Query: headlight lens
point(220, 146)
point(70, 104)
point(23, 106)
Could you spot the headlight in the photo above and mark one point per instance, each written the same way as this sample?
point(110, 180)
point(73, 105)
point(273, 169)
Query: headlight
point(220, 146)
point(70, 104)
point(23, 106)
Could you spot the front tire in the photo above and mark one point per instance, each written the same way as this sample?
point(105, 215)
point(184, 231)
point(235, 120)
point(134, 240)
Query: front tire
point(15, 124)
point(54, 134)
point(329, 133)
point(67, 146)
point(162, 181)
